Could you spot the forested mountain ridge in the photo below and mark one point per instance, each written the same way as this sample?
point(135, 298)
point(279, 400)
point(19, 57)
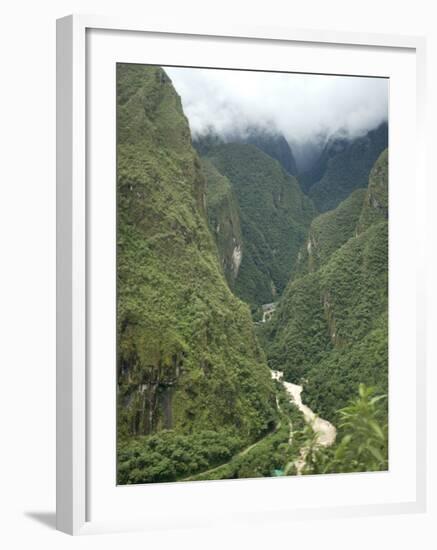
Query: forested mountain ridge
point(375, 206)
point(188, 360)
point(274, 217)
point(330, 328)
point(314, 173)
point(272, 143)
point(276, 146)
point(344, 166)
point(199, 240)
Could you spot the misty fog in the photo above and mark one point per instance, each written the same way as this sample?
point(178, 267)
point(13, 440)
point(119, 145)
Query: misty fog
point(306, 109)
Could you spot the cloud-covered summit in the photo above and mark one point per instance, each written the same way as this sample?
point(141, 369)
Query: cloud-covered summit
point(304, 108)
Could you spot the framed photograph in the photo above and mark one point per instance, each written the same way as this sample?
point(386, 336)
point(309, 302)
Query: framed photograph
point(240, 275)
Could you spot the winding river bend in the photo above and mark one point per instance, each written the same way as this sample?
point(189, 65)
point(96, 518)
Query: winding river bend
point(325, 431)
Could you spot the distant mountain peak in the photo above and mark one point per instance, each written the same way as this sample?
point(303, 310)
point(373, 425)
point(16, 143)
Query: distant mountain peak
point(344, 165)
point(269, 140)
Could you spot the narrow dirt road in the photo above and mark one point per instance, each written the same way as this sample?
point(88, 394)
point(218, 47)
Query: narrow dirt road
point(239, 454)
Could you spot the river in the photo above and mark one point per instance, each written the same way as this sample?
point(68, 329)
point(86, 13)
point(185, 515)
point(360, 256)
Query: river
point(324, 430)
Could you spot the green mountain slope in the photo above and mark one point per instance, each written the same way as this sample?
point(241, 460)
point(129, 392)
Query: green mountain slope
point(275, 145)
point(188, 360)
point(347, 167)
point(224, 220)
point(317, 167)
point(272, 143)
point(329, 231)
point(375, 207)
point(330, 329)
point(274, 217)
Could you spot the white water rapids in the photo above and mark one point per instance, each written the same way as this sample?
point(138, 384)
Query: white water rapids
point(325, 431)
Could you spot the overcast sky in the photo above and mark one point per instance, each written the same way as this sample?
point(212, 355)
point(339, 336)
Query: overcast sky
point(302, 107)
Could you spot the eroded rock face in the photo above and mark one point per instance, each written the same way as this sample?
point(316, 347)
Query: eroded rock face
point(224, 221)
point(145, 386)
point(237, 255)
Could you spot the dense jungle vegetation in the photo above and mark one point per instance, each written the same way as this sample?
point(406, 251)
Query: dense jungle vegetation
point(347, 167)
point(188, 359)
point(209, 232)
point(274, 218)
point(273, 144)
point(331, 325)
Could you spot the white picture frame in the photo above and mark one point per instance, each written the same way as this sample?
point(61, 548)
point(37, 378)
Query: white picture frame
point(74, 465)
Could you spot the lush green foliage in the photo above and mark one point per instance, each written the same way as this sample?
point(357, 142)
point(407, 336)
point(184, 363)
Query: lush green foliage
point(337, 375)
point(273, 144)
point(298, 335)
point(328, 232)
point(375, 207)
point(195, 395)
point(362, 440)
point(188, 359)
point(260, 460)
point(169, 456)
point(278, 450)
point(274, 219)
point(348, 169)
point(330, 329)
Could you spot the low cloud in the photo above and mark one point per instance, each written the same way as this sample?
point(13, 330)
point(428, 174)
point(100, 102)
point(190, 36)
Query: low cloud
point(305, 108)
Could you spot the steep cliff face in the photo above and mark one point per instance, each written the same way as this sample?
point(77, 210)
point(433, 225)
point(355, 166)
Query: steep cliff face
point(331, 325)
point(188, 359)
point(328, 232)
point(224, 221)
point(275, 145)
point(314, 172)
point(375, 207)
point(345, 166)
point(274, 215)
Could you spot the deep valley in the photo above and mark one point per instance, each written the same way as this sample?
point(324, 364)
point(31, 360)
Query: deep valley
point(252, 298)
